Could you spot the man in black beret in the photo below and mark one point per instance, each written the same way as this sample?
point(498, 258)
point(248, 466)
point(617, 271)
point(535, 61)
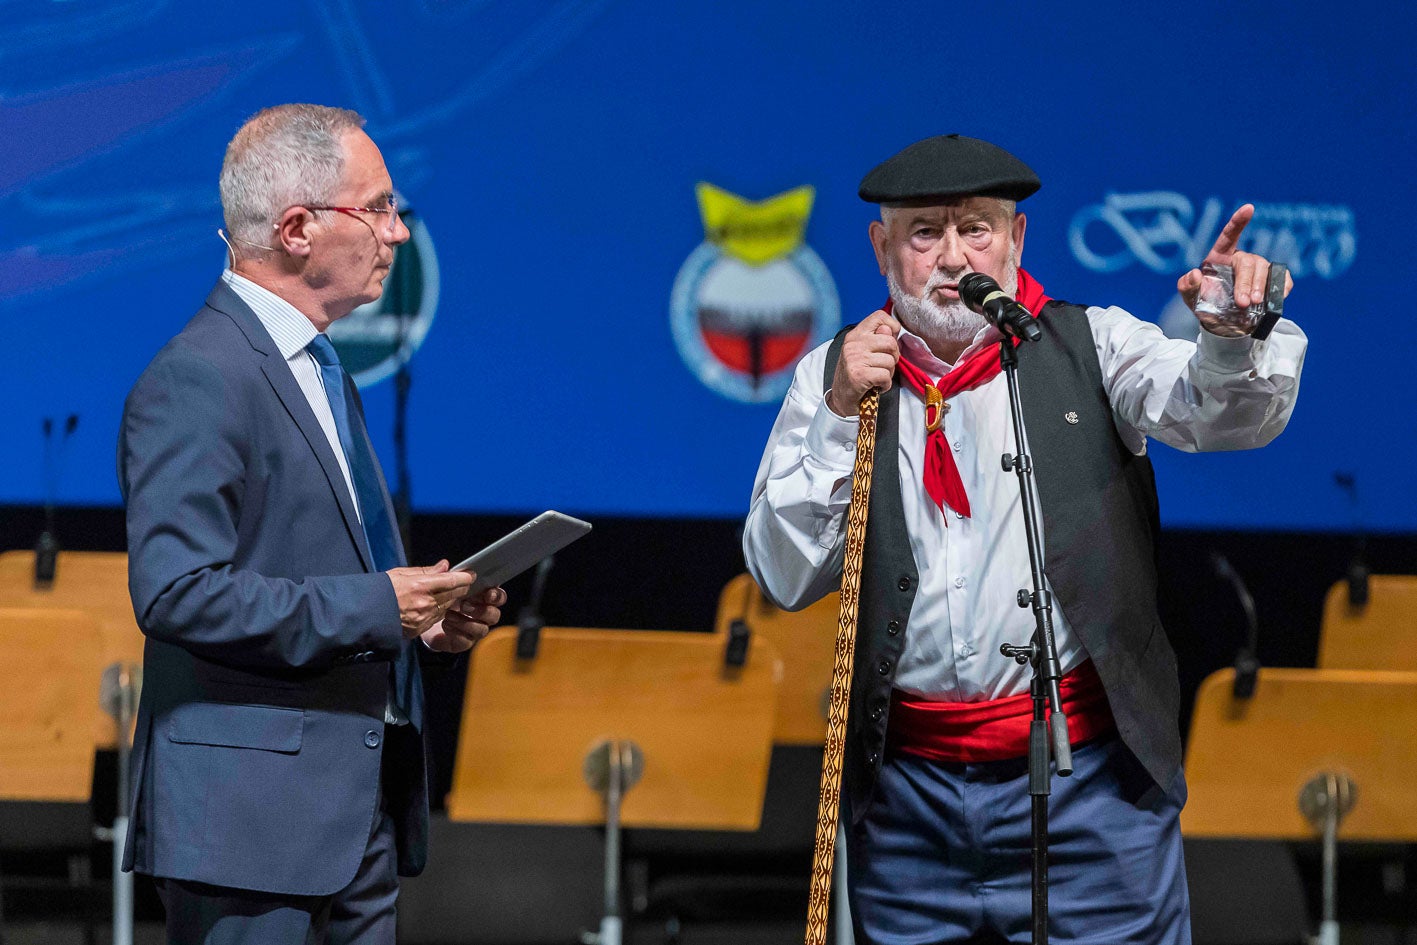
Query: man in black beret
point(935, 797)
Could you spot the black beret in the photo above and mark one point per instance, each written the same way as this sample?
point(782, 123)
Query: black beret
point(949, 166)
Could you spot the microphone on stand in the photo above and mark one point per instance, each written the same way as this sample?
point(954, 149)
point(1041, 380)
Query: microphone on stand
point(982, 295)
point(529, 619)
point(1357, 572)
point(1247, 663)
point(46, 549)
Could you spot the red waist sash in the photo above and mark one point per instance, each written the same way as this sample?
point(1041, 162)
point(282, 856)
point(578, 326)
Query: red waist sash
point(970, 732)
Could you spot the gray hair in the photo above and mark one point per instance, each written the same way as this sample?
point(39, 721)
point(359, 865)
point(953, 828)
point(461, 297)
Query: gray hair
point(283, 156)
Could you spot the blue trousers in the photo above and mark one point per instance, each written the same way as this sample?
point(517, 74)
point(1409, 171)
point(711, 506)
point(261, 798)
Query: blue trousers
point(363, 913)
point(943, 854)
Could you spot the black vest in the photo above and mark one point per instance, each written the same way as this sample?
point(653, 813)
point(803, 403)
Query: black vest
point(1099, 523)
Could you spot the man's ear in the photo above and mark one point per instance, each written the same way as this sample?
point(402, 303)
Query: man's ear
point(293, 231)
point(1020, 224)
point(877, 233)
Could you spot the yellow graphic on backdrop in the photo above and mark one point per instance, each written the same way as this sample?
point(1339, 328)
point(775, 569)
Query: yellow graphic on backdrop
point(755, 231)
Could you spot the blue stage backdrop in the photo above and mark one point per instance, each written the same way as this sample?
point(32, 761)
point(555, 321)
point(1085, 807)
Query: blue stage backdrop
point(632, 218)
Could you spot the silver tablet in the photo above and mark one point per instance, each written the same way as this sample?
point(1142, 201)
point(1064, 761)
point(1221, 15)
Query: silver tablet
point(522, 549)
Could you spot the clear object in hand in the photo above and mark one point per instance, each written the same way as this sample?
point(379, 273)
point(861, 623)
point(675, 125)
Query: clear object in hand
point(1217, 298)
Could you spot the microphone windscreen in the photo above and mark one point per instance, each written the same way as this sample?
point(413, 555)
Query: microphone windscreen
point(975, 287)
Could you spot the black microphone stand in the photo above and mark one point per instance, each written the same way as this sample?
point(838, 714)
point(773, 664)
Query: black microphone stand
point(1247, 661)
point(46, 549)
point(1041, 652)
point(529, 619)
point(1358, 572)
point(403, 491)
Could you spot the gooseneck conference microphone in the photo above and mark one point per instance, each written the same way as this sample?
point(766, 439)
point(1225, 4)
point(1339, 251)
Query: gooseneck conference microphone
point(46, 550)
point(1247, 662)
point(982, 294)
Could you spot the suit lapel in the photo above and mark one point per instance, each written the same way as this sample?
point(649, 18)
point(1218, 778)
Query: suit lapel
point(293, 398)
point(282, 382)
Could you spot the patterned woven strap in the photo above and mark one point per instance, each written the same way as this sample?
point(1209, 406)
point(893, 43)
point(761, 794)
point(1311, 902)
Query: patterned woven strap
point(830, 800)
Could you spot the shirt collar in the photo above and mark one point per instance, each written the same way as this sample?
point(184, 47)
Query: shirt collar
point(286, 324)
point(914, 347)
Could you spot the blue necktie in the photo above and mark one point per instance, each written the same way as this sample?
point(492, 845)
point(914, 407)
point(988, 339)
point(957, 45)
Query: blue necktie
point(378, 530)
point(384, 544)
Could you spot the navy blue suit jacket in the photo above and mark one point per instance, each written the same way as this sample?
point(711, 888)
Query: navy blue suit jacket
point(271, 638)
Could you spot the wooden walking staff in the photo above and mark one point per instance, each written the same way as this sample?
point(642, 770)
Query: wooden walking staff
point(830, 802)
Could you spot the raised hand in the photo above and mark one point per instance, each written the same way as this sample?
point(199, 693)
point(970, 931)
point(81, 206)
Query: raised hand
point(1251, 275)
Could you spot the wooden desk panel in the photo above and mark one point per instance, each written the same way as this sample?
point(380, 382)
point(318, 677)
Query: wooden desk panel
point(1247, 760)
point(527, 727)
point(49, 691)
point(1379, 636)
point(807, 641)
point(95, 582)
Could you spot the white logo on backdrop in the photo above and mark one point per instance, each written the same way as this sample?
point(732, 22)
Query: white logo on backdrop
point(1164, 232)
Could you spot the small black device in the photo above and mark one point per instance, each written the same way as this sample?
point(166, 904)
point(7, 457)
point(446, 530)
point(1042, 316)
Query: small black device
point(1273, 308)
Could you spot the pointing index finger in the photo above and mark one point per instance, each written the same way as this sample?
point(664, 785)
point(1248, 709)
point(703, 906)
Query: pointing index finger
point(1229, 238)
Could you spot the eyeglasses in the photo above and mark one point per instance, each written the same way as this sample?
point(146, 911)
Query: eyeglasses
point(388, 224)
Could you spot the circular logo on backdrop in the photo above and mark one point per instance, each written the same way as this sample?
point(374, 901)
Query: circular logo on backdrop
point(752, 298)
point(374, 339)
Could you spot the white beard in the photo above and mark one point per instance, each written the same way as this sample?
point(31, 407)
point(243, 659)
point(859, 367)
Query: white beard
point(944, 325)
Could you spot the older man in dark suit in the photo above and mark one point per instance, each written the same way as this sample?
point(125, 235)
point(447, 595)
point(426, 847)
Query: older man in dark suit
point(280, 783)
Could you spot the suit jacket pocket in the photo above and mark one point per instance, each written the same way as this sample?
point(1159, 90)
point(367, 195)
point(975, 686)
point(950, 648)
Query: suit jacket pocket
point(265, 727)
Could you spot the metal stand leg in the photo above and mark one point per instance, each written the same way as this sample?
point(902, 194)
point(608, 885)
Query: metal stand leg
point(1324, 801)
point(612, 768)
point(122, 887)
point(844, 933)
point(119, 695)
point(610, 923)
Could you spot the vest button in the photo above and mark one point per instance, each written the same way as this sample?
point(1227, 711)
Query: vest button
point(885, 667)
point(371, 738)
point(871, 759)
point(893, 627)
point(876, 713)
point(903, 584)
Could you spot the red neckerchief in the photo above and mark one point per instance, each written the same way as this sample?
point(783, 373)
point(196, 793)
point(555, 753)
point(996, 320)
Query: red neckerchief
point(942, 480)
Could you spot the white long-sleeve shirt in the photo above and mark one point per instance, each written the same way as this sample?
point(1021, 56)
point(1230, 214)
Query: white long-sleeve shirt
point(1213, 394)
